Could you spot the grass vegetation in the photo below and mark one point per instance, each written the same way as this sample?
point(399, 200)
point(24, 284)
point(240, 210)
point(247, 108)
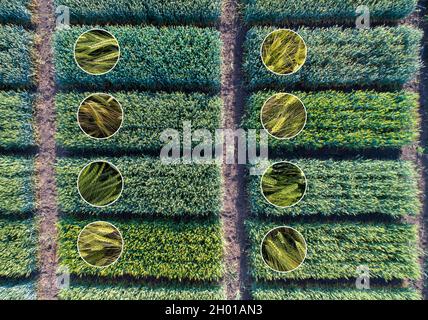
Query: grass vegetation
point(201, 12)
point(151, 188)
point(16, 67)
point(283, 184)
point(283, 52)
point(15, 11)
point(362, 119)
point(16, 186)
point(284, 249)
point(263, 291)
point(384, 57)
point(182, 58)
point(283, 116)
point(336, 249)
point(328, 11)
point(18, 248)
point(17, 290)
point(132, 290)
point(100, 244)
point(100, 116)
point(16, 120)
point(97, 51)
point(349, 188)
point(100, 184)
point(147, 115)
point(158, 248)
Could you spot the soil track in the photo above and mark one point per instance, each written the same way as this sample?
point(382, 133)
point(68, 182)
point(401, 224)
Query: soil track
point(47, 216)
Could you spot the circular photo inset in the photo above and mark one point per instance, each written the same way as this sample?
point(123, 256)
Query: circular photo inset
point(100, 184)
point(100, 244)
point(284, 52)
point(283, 116)
point(284, 249)
point(96, 51)
point(283, 184)
point(100, 116)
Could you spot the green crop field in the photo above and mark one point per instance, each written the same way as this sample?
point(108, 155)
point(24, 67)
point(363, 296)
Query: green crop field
point(150, 188)
point(17, 247)
point(16, 186)
point(335, 250)
point(173, 58)
point(349, 188)
point(201, 12)
point(15, 11)
point(341, 58)
point(146, 116)
point(120, 290)
point(16, 67)
point(362, 119)
point(16, 123)
point(286, 292)
point(333, 11)
point(17, 290)
point(151, 249)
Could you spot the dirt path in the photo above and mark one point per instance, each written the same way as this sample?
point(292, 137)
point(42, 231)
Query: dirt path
point(235, 208)
point(45, 125)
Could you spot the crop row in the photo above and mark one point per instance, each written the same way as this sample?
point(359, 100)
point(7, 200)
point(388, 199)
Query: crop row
point(17, 248)
point(361, 119)
point(281, 292)
point(16, 66)
point(158, 249)
point(125, 290)
point(17, 290)
point(15, 11)
point(332, 11)
point(16, 124)
point(150, 188)
point(183, 58)
point(336, 250)
point(201, 12)
point(146, 116)
point(338, 58)
point(16, 186)
point(348, 188)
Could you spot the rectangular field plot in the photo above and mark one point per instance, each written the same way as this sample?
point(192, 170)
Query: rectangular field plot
point(348, 188)
point(16, 68)
point(355, 120)
point(156, 249)
point(146, 116)
point(323, 292)
point(16, 124)
point(201, 12)
point(331, 11)
point(175, 58)
point(15, 11)
point(341, 58)
point(120, 290)
point(150, 188)
point(17, 290)
point(18, 248)
point(16, 186)
point(336, 250)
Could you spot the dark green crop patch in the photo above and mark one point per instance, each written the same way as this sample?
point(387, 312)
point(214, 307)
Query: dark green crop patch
point(349, 188)
point(183, 58)
point(336, 250)
point(146, 116)
point(200, 12)
point(15, 11)
point(362, 119)
point(16, 67)
point(158, 248)
point(16, 120)
point(341, 58)
point(151, 188)
point(331, 11)
point(17, 290)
